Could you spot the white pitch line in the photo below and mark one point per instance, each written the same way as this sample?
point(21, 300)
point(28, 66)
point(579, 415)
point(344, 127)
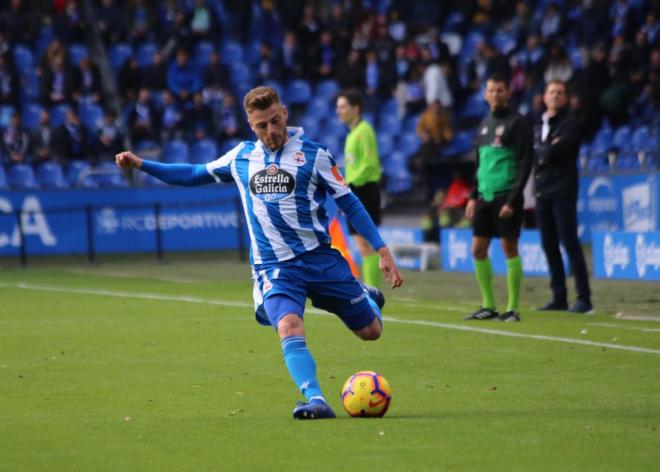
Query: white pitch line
point(635, 328)
point(436, 324)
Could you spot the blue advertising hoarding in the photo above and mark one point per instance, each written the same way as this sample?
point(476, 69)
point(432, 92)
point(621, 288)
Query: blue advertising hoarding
point(56, 222)
point(626, 255)
point(456, 256)
point(618, 203)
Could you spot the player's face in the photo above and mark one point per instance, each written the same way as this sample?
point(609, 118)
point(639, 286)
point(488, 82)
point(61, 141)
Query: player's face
point(345, 111)
point(496, 94)
point(270, 125)
point(555, 97)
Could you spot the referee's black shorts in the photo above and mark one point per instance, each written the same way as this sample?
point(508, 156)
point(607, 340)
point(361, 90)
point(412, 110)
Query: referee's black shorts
point(488, 224)
point(369, 195)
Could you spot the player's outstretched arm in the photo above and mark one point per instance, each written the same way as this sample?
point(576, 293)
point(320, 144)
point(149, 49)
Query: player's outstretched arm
point(174, 174)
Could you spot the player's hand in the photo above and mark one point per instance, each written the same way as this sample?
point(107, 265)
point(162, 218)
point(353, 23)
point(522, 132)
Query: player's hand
point(506, 211)
point(388, 267)
point(469, 208)
point(128, 160)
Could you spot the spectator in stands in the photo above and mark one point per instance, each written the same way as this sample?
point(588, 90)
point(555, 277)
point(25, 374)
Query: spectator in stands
point(396, 27)
point(216, 71)
point(556, 148)
point(651, 28)
point(110, 21)
point(129, 79)
point(325, 57)
point(142, 118)
point(522, 25)
point(308, 31)
point(182, 78)
point(268, 67)
point(228, 120)
point(350, 73)
point(56, 82)
point(292, 56)
point(558, 65)
point(108, 139)
point(447, 209)
point(434, 130)
point(488, 61)
point(41, 140)
point(401, 62)
point(141, 19)
point(8, 83)
point(436, 87)
point(15, 142)
point(70, 140)
point(172, 125)
point(552, 23)
point(410, 92)
point(154, 76)
point(70, 24)
point(87, 82)
point(198, 119)
point(201, 20)
point(17, 22)
point(54, 49)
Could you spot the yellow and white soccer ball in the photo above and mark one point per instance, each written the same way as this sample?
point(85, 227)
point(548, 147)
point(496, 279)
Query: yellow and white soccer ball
point(366, 394)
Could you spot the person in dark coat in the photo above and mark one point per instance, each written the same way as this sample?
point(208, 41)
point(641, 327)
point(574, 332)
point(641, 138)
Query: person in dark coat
point(556, 148)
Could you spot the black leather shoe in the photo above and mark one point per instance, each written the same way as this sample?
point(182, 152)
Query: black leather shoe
point(582, 306)
point(553, 305)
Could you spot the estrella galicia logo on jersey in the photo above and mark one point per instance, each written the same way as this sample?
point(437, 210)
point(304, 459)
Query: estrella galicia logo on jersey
point(272, 183)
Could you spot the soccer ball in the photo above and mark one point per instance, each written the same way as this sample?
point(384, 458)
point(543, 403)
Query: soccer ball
point(366, 394)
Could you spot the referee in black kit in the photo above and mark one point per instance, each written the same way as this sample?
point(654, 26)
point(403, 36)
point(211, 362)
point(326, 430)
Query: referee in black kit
point(556, 148)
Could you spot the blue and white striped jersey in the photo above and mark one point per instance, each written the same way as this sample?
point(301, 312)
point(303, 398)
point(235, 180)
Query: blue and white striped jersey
point(283, 194)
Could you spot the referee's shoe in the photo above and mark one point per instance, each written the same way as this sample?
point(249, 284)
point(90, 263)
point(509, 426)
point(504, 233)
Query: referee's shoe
point(483, 314)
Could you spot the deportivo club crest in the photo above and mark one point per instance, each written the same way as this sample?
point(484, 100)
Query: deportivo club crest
point(299, 158)
point(272, 183)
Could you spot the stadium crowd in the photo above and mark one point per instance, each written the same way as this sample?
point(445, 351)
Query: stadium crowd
point(170, 75)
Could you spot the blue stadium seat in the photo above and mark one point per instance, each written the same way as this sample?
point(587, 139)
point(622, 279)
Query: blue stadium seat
point(231, 53)
point(602, 143)
point(389, 124)
point(390, 107)
point(3, 179)
point(504, 42)
point(318, 108)
point(622, 139)
point(58, 114)
point(334, 127)
point(311, 126)
point(202, 54)
point(454, 21)
point(77, 52)
point(461, 144)
point(241, 75)
point(30, 87)
point(23, 58)
point(627, 162)
point(640, 138)
point(21, 177)
point(175, 152)
point(78, 175)
point(148, 180)
point(108, 175)
point(43, 40)
point(274, 84)
point(90, 115)
point(408, 143)
point(144, 54)
point(252, 52)
point(50, 176)
point(597, 163)
point(5, 115)
point(475, 107)
point(118, 54)
point(327, 89)
point(298, 92)
point(410, 124)
point(228, 144)
point(334, 144)
point(30, 116)
point(203, 151)
point(469, 46)
point(385, 145)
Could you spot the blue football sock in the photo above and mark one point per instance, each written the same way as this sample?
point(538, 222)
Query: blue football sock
point(374, 307)
point(302, 367)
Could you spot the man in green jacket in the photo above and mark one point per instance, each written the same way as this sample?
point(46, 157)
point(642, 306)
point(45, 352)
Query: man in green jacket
point(362, 171)
point(504, 150)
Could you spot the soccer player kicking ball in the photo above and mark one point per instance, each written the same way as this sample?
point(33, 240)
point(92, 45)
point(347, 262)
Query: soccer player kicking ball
point(284, 179)
point(503, 161)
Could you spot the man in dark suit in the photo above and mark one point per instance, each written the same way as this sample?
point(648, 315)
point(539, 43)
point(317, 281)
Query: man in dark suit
point(556, 148)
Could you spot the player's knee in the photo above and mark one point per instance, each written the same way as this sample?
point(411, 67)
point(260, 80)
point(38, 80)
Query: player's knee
point(290, 325)
point(371, 332)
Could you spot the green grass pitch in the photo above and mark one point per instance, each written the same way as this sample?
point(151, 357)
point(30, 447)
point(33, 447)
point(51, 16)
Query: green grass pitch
point(134, 366)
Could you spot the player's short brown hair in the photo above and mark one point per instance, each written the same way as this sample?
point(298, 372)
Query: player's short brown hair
point(260, 98)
